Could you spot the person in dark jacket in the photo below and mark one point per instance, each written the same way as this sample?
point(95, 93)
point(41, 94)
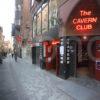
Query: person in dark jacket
point(1, 60)
point(15, 55)
point(12, 55)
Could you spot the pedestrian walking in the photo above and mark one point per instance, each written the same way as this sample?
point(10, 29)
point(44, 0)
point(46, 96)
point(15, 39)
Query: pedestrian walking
point(15, 55)
point(12, 55)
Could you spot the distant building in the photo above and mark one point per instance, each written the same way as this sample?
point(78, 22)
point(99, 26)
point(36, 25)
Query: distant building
point(16, 26)
point(26, 28)
point(1, 39)
point(7, 46)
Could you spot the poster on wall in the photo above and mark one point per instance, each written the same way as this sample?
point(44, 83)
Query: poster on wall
point(61, 50)
point(98, 65)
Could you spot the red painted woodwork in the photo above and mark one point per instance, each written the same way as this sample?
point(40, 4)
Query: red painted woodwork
point(97, 67)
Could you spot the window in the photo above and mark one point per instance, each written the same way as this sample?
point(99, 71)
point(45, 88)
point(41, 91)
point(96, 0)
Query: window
point(32, 2)
point(45, 19)
point(52, 13)
point(34, 26)
point(19, 7)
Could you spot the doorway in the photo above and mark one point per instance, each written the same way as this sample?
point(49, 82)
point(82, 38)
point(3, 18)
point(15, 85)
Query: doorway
point(83, 59)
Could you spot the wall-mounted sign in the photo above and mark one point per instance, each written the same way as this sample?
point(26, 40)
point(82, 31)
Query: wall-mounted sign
point(85, 21)
point(98, 65)
point(62, 50)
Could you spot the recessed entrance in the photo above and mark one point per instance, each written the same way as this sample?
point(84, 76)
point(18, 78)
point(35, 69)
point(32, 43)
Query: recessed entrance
point(83, 59)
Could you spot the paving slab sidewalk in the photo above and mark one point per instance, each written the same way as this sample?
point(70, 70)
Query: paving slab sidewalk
point(75, 90)
point(78, 92)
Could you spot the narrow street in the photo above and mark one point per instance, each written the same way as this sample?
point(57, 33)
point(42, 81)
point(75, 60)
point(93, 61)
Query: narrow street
point(23, 81)
point(50, 50)
point(10, 85)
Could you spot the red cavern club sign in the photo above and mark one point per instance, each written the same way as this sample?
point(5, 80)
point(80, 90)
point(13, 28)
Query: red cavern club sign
point(86, 21)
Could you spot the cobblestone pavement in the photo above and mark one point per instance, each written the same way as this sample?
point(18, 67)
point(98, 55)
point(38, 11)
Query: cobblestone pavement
point(90, 85)
point(37, 84)
point(87, 82)
point(10, 86)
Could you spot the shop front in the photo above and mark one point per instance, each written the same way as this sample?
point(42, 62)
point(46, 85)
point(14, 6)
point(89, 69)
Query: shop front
point(49, 55)
point(79, 28)
point(52, 56)
point(36, 53)
point(49, 41)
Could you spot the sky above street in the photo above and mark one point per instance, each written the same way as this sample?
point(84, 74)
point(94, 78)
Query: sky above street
point(7, 9)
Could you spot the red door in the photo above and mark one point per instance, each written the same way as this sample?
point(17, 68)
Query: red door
point(49, 51)
point(57, 60)
point(97, 65)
